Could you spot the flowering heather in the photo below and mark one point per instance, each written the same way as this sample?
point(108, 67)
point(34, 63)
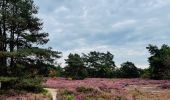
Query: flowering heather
point(99, 83)
point(111, 89)
point(103, 89)
point(165, 86)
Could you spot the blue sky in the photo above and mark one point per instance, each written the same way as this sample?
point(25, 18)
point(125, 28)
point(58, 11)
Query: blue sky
point(123, 27)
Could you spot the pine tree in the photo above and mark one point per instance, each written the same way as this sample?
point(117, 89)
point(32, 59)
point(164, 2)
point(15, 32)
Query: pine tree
point(20, 38)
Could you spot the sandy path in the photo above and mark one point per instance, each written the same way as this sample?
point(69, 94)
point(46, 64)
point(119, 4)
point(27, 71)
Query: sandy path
point(53, 92)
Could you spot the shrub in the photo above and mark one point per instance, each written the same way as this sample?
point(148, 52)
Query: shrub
point(70, 97)
point(85, 90)
point(30, 85)
point(165, 86)
point(67, 92)
point(21, 84)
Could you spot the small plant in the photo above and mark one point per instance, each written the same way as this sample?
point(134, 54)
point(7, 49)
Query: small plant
point(69, 97)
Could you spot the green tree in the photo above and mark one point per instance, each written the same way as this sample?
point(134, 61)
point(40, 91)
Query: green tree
point(129, 70)
point(159, 61)
point(99, 64)
point(75, 67)
point(20, 39)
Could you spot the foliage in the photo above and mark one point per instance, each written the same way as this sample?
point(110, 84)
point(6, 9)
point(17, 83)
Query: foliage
point(75, 68)
point(85, 89)
point(69, 97)
point(146, 73)
point(129, 70)
point(20, 33)
point(67, 92)
point(21, 84)
point(159, 61)
point(99, 64)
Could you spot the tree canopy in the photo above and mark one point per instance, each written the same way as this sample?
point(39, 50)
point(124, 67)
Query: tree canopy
point(75, 67)
point(159, 61)
point(129, 70)
point(99, 64)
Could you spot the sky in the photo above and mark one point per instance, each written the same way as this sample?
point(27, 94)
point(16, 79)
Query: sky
point(123, 27)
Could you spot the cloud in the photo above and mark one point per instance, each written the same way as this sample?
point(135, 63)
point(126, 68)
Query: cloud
point(124, 27)
point(61, 9)
point(125, 23)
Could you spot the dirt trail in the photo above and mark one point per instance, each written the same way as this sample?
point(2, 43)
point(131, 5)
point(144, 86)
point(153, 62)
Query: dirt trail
point(53, 92)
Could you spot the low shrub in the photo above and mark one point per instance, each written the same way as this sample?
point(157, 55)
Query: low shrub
point(21, 84)
point(85, 90)
point(69, 97)
point(165, 86)
point(30, 85)
point(66, 92)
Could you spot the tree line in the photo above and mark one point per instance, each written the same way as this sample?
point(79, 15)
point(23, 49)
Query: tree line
point(101, 65)
point(98, 65)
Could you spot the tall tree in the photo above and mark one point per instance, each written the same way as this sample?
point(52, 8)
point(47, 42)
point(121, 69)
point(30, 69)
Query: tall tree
point(20, 35)
point(129, 70)
point(99, 64)
point(159, 61)
point(75, 67)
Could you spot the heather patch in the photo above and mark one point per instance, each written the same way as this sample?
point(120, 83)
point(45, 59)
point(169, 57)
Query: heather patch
point(107, 89)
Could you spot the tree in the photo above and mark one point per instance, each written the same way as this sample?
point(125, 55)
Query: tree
point(20, 39)
point(75, 67)
point(99, 64)
point(129, 70)
point(159, 61)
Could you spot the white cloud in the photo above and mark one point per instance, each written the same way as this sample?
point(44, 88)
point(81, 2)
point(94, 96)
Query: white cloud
point(61, 9)
point(123, 24)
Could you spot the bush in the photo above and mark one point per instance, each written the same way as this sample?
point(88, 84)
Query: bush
point(8, 82)
point(165, 86)
point(21, 84)
point(70, 97)
point(129, 70)
point(30, 85)
point(67, 92)
point(85, 90)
